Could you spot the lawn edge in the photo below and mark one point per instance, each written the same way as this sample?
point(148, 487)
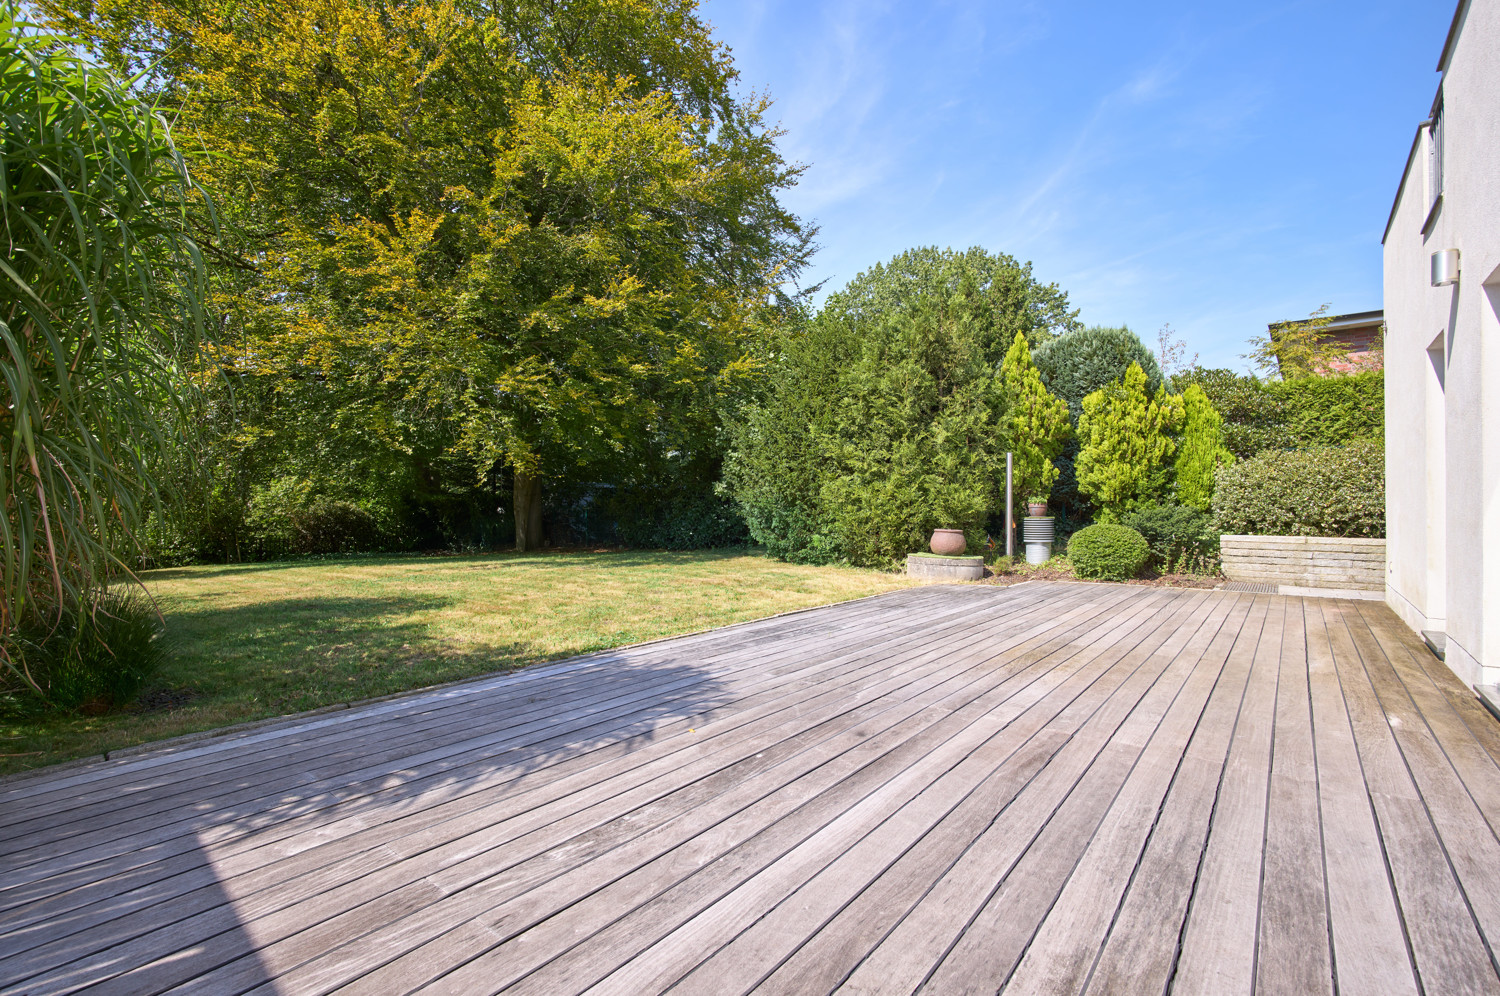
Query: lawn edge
point(290, 719)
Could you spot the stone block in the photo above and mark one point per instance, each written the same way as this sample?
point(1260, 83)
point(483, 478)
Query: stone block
point(933, 567)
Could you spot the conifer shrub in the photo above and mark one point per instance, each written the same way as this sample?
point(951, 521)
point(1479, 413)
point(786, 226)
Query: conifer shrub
point(1322, 491)
point(1125, 461)
point(1037, 423)
point(1080, 362)
point(1200, 451)
point(1107, 552)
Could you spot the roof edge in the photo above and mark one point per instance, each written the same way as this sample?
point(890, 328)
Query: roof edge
point(1401, 188)
point(1453, 30)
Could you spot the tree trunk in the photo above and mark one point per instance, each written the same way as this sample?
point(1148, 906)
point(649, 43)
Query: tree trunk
point(528, 494)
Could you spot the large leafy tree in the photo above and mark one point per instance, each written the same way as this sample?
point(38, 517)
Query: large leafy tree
point(546, 228)
point(101, 299)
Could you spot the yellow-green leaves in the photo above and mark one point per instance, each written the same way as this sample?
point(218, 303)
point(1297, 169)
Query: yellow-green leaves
point(1036, 423)
point(1127, 438)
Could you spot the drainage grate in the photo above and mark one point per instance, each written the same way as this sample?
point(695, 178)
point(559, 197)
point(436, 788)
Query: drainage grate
point(1266, 589)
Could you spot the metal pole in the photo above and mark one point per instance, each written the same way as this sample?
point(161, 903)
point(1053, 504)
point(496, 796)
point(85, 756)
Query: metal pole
point(1010, 528)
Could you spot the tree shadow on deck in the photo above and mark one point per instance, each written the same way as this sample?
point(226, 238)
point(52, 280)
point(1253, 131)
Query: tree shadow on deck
point(232, 862)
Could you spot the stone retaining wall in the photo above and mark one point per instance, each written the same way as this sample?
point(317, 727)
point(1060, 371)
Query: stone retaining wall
point(1306, 561)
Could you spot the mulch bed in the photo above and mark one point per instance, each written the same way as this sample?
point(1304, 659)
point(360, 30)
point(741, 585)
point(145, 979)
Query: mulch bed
point(1061, 574)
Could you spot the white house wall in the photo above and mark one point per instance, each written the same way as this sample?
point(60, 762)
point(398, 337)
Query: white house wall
point(1443, 436)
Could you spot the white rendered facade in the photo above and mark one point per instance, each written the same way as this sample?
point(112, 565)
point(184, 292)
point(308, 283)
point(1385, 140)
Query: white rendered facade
point(1442, 360)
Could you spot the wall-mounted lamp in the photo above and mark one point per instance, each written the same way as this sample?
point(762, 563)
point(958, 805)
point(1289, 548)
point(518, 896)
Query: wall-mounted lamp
point(1444, 267)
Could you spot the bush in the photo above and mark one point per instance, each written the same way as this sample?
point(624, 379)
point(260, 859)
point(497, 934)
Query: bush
point(1078, 363)
point(885, 415)
point(1330, 411)
point(1200, 451)
point(1182, 539)
point(288, 519)
point(1323, 491)
point(1107, 552)
point(1306, 411)
point(96, 660)
point(1125, 462)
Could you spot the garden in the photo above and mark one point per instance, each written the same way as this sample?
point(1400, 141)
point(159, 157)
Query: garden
point(356, 348)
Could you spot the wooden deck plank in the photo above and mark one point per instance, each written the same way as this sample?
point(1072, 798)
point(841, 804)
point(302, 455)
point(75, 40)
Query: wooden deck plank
point(142, 773)
point(1065, 945)
point(1048, 788)
point(416, 725)
point(1294, 949)
point(518, 740)
point(1218, 945)
point(1444, 891)
point(911, 952)
point(477, 837)
point(583, 966)
point(1370, 948)
point(1141, 950)
point(486, 896)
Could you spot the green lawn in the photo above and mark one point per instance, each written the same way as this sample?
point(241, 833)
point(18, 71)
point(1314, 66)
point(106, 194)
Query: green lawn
point(263, 640)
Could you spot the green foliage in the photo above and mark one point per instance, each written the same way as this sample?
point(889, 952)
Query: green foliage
point(1182, 539)
point(103, 299)
point(1126, 459)
point(1037, 423)
point(473, 243)
point(97, 657)
point(1199, 451)
point(1305, 411)
point(884, 416)
point(1107, 552)
point(1323, 491)
point(1081, 361)
point(1290, 350)
point(1253, 413)
point(1328, 411)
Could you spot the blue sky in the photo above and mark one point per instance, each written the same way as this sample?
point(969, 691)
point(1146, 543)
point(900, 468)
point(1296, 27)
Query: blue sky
point(1211, 166)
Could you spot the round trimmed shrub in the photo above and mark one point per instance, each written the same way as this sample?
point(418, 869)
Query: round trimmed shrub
point(1107, 552)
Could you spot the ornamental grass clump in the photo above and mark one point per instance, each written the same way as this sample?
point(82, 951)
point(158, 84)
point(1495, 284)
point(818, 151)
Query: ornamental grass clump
point(1107, 552)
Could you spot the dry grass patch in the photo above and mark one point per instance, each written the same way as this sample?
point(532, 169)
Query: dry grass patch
point(261, 640)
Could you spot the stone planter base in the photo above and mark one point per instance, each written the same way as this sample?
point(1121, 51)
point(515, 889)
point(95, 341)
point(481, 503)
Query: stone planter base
point(945, 568)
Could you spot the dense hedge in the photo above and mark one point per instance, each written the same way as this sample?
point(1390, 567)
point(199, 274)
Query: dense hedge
point(1306, 411)
point(1107, 552)
point(1181, 538)
point(1323, 491)
point(1328, 411)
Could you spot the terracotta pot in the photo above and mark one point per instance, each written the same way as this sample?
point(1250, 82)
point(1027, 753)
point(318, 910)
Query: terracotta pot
point(1036, 508)
point(948, 542)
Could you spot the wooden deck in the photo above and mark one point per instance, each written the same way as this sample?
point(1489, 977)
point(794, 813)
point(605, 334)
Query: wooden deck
point(1054, 788)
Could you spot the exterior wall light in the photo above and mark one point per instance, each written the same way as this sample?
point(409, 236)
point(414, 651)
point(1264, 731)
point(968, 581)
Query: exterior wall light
point(1444, 267)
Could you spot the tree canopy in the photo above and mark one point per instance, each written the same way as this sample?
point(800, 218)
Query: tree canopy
point(534, 235)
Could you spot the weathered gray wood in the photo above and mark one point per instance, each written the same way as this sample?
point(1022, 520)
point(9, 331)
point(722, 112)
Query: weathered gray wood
point(1293, 950)
point(496, 891)
point(1369, 945)
point(1218, 945)
point(911, 953)
point(1066, 943)
point(1141, 951)
point(517, 736)
point(1046, 788)
point(1045, 724)
point(1445, 889)
point(441, 847)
